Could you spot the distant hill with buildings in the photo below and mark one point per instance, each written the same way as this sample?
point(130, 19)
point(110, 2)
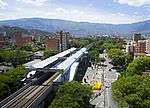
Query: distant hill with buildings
point(28, 32)
point(79, 28)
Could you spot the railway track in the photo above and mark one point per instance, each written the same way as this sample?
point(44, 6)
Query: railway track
point(29, 96)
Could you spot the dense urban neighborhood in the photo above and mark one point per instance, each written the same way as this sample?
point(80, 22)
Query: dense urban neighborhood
point(74, 53)
point(108, 71)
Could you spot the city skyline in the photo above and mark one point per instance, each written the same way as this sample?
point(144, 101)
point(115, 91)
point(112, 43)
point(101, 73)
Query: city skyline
point(96, 11)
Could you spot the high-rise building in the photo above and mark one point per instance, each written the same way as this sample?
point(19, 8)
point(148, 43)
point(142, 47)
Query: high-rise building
point(39, 38)
point(52, 44)
point(137, 37)
point(63, 39)
point(59, 37)
point(118, 40)
point(27, 40)
point(148, 46)
point(20, 40)
point(130, 49)
point(2, 41)
point(141, 47)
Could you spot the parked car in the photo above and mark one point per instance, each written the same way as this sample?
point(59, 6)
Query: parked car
point(105, 65)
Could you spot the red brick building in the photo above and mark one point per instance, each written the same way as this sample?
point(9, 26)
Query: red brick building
point(2, 41)
point(52, 44)
point(118, 40)
point(137, 37)
point(20, 40)
point(148, 48)
point(141, 47)
point(63, 39)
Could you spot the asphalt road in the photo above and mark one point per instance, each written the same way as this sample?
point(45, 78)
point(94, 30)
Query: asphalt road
point(105, 100)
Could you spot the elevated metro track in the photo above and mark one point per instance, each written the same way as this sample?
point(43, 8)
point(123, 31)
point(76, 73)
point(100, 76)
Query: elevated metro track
point(30, 95)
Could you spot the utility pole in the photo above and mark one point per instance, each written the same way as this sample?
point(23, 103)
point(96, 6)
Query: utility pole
point(104, 81)
point(95, 66)
point(104, 86)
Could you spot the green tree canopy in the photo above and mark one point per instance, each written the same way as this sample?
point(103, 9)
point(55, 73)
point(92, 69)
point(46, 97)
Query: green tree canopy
point(118, 57)
point(98, 46)
point(101, 59)
point(26, 48)
point(79, 43)
point(108, 46)
point(16, 57)
point(133, 91)
point(137, 66)
point(93, 55)
point(11, 81)
point(72, 95)
point(49, 53)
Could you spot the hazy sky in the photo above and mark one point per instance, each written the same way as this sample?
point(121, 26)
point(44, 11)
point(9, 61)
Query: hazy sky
point(97, 11)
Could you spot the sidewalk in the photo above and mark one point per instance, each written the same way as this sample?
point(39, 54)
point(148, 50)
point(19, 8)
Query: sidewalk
point(91, 75)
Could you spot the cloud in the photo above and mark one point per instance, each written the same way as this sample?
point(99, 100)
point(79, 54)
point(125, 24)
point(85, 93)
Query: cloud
point(3, 16)
point(135, 3)
point(34, 2)
point(77, 12)
point(147, 8)
point(3, 4)
point(135, 12)
point(74, 14)
point(90, 16)
point(90, 4)
point(120, 14)
point(61, 10)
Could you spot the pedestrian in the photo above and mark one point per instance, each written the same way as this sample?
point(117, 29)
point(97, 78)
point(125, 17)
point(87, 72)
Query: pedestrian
point(99, 94)
point(85, 80)
point(87, 77)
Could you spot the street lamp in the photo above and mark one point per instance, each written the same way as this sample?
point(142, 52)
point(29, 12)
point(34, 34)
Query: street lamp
point(95, 66)
point(104, 80)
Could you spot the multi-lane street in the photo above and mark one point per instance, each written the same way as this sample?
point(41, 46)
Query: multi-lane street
point(106, 75)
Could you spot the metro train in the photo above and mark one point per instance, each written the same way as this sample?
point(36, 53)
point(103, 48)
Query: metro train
point(37, 77)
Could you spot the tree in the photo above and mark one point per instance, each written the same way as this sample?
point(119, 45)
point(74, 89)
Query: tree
point(132, 91)
point(78, 44)
point(17, 75)
point(108, 46)
point(6, 55)
point(4, 91)
point(71, 95)
point(35, 49)
point(101, 59)
point(49, 53)
point(118, 57)
point(16, 57)
point(137, 66)
point(83, 43)
point(11, 81)
point(19, 57)
point(98, 46)
point(26, 48)
point(93, 55)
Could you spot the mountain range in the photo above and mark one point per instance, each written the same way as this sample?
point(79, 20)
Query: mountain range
point(79, 28)
point(11, 30)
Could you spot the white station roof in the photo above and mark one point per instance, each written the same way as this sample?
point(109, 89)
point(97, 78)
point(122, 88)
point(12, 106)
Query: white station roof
point(50, 60)
point(29, 64)
point(69, 61)
point(73, 70)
